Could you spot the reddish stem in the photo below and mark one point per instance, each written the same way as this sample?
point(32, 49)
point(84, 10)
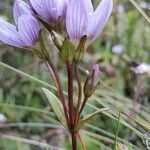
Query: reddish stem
point(79, 91)
point(70, 94)
point(60, 88)
point(74, 140)
point(82, 106)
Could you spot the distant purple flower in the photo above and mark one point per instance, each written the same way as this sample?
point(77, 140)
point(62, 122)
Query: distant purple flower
point(118, 49)
point(27, 31)
point(82, 20)
point(50, 10)
point(142, 68)
point(3, 118)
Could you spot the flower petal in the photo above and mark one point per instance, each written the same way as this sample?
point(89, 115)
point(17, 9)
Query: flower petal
point(78, 12)
point(64, 8)
point(99, 19)
point(9, 34)
point(28, 28)
point(50, 10)
point(20, 8)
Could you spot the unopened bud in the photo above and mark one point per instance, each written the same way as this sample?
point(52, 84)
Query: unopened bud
point(57, 40)
point(92, 81)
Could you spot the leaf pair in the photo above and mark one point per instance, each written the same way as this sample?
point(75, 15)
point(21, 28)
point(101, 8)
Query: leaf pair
point(58, 110)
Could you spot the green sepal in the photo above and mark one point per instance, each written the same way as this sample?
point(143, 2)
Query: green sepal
point(57, 40)
point(56, 106)
point(42, 45)
point(39, 47)
point(87, 118)
point(88, 90)
point(47, 25)
point(67, 51)
point(80, 49)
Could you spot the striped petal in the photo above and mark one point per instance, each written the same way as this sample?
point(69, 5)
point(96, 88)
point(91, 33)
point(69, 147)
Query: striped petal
point(28, 28)
point(50, 10)
point(64, 8)
point(9, 34)
point(99, 19)
point(20, 8)
point(78, 12)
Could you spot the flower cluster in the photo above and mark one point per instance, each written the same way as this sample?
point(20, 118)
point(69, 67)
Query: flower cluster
point(73, 25)
point(77, 17)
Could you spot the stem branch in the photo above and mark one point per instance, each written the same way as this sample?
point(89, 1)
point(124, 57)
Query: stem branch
point(59, 87)
point(83, 104)
point(79, 91)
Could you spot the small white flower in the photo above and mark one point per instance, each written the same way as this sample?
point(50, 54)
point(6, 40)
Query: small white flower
point(143, 68)
point(2, 118)
point(118, 49)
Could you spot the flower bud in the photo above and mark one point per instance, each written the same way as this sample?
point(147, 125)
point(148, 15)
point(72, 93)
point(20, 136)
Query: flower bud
point(92, 81)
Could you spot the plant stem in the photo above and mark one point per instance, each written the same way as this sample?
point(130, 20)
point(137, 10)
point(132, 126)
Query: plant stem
point(82, 143)
point(70, 94)
point(74, 140)
point(118, 125)
point(51, 74)
point(59, 87)
point(82, 106)
point(79, 91)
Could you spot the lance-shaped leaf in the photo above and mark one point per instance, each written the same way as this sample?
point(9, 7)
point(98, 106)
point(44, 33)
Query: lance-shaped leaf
point(83, 121)
point(56, 106)
point(141, 122)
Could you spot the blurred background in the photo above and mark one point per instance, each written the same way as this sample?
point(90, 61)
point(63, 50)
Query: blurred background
point(123, 53)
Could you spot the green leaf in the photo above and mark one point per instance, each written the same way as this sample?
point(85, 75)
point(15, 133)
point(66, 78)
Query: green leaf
point(141, 122)
point(67, 52)
point(56, 106)
point(83, 121)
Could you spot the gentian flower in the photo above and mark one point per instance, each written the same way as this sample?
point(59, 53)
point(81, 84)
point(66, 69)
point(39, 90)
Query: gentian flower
point(81, 19)
point(50, 10)
point(26, 33)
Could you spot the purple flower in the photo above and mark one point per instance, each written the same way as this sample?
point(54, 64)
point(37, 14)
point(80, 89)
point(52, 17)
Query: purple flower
point(21, 8)
point(50, 10)
point(82, 20)
point(27, 31)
